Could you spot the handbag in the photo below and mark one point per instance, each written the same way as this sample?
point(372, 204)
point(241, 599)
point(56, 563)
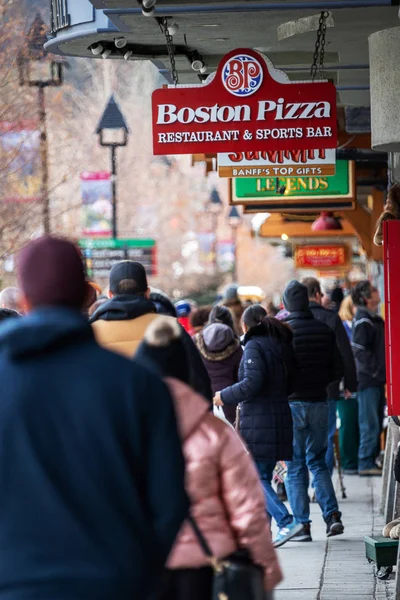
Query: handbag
point(235, 577)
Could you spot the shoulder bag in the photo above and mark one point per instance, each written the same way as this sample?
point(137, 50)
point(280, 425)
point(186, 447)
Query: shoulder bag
point(235, 577)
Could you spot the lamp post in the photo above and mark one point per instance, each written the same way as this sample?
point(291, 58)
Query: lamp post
point(234, 220)
point(113, 133)
point(215, 207)
point(38, 69)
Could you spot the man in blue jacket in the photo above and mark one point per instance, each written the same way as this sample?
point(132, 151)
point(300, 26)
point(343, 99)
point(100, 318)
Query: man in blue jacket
point(91, 468)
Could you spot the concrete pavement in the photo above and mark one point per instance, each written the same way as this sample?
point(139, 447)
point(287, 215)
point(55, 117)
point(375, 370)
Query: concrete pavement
point(336, 568)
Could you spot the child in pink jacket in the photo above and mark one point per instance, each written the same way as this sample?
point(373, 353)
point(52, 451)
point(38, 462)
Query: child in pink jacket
point(227, 500)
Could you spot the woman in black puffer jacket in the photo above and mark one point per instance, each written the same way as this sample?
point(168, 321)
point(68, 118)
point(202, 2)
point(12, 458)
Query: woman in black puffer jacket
point(265, 417)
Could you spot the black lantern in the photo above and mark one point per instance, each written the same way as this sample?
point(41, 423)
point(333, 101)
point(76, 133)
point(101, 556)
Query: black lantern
point(36, 67)
point(112, 128)
point(113, 133)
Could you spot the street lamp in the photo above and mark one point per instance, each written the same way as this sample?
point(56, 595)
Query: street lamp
point(215, 208)
point(38, 69)
point(113, 133)
point(234, 220)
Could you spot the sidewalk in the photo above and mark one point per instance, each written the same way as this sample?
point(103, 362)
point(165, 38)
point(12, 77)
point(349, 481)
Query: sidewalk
point(336, 568)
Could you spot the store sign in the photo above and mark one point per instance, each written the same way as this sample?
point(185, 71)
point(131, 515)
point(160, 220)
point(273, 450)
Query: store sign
point(248, 105)
point(320, 257)
point(274, 163)
point(101, 255)
point(280, 194)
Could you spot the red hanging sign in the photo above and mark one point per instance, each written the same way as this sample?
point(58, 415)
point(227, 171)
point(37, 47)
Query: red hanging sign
point(246, 106)
point(314, 257)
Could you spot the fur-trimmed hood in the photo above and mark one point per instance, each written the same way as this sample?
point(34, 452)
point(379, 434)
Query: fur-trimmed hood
point(217, 342)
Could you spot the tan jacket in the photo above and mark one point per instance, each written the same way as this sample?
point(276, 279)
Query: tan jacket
point(224, 489)
point(123, 337)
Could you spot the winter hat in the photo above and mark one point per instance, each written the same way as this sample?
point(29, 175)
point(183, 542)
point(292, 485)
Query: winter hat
point(217, 336)
point(51, 272)
point(163, 345)
point(295, 297)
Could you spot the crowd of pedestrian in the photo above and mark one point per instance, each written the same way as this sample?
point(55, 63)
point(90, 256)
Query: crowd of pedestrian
point(117, 480)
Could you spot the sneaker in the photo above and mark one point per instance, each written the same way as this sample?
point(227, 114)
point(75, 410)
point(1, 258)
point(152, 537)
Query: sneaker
point(372, 472)
point(286, 533)
point(304, 535)
point(334, 525)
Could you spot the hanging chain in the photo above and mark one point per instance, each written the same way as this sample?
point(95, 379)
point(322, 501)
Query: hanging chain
point(319, 51)
point(171, 53)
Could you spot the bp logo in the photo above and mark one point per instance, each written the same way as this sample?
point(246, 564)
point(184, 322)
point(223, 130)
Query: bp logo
point(242, 75)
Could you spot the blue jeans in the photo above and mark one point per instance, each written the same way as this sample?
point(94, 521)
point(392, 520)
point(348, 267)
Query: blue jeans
point(370, 403)
point(330, 453)
point(275, 507)
point(310, 441)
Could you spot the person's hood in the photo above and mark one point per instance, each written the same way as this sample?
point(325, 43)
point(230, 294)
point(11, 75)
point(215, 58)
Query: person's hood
point(295, 297)
point(42, 331)
point(217, 342)
point(190, 407)
point(123, 308)
point(163, 304)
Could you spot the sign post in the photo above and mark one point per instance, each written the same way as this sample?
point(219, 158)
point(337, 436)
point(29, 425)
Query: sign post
point(246, 106)
point(102, 254)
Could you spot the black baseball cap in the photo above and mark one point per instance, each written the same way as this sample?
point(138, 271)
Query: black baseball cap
point(131, 271)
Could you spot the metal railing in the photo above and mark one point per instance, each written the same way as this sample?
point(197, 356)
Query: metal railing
point(59, 15)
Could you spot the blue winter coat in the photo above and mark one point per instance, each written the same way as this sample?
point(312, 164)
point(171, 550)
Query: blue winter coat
point(264, 384)
point(91, 469)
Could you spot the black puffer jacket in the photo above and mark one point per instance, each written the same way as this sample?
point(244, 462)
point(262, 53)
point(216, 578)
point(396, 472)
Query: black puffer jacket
point(333, 321)
point(369, 349)
point(265, 417)
point(318, 361)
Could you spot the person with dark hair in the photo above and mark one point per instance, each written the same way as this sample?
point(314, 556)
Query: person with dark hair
point(369, 351)
point(232, 301)
point(222, 314)
point(199, 318)
point(225, 493)
point(91, 465)
point(333, 321)
point(318, 364)
point(337, 297)
point(272, 310)
point(120, 323)
point(265, 419)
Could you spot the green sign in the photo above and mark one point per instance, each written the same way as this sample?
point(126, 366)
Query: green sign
point(301, 193)
point(102, 254)
point(115, 244)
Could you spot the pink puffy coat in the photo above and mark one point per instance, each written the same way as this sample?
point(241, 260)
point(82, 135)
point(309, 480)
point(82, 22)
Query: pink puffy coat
point(223, 486)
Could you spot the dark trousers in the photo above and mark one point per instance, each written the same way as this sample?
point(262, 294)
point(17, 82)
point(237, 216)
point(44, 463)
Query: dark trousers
point(349, 433)
point(187, 584)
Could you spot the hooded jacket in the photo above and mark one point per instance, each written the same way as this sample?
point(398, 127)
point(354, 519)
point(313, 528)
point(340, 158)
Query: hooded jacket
point(318, 361)
point(333, 321)
point(369, 349)
point(226, 496)
point(88, 445)
point(221, 352)
point(120, 324)
point(264, 379)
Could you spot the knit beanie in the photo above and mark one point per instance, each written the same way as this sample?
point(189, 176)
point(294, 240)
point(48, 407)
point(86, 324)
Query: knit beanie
point(50, 272)
point(295, 297)
point(163, 345)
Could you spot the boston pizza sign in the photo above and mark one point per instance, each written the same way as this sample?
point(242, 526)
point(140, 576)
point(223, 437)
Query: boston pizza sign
point(248, 105)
